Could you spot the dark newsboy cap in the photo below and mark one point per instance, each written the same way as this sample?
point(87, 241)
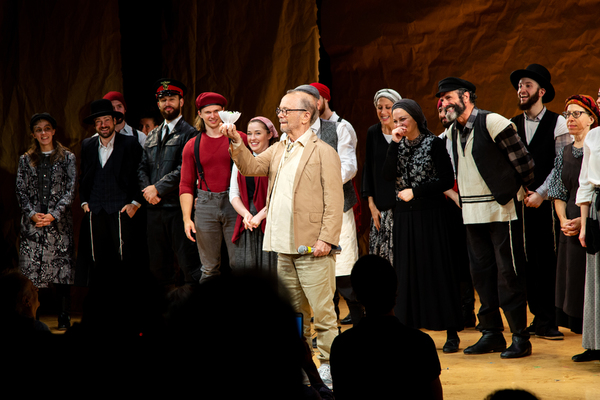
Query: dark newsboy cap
point(451, 83)
point(45, 116)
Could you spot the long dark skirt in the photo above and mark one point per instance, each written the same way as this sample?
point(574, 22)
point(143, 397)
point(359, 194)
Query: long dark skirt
point(570, 283)
point(429, 290)
point(250, 256)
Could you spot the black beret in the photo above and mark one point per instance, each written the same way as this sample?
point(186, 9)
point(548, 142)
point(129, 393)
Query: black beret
point(451, 83)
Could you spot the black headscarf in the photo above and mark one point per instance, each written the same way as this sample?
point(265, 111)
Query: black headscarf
point(414, 110)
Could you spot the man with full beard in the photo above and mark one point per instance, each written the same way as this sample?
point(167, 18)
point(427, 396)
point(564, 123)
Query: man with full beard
point(459, 237)
point(159, 176)
point(492, 167)
point(544, 133)
point(109, 195)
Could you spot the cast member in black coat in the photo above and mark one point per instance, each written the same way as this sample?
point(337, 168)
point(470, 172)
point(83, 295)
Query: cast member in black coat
point(109, 193)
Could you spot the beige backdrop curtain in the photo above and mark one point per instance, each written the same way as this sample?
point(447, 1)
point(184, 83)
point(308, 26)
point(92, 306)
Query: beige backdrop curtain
point(409, 46)
point(60, 55)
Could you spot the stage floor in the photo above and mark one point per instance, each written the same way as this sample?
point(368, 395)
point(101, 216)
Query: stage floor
point(549, 372)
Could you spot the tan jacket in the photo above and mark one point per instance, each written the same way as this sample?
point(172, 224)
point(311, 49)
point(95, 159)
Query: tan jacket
point(318, 194)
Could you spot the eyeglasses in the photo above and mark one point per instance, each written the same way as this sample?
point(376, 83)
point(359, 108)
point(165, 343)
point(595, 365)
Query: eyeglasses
point(575, 114)
point(45, 129)
point(284, 111)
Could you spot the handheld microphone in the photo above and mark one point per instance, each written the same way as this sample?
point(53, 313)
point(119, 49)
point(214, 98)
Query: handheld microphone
point(309, 250)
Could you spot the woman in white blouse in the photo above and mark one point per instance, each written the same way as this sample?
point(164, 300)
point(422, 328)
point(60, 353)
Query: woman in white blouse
point(587, 199)
point(248, 197)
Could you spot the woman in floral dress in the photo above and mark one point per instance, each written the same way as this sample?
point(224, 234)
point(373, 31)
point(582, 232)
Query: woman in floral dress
point(45, 190)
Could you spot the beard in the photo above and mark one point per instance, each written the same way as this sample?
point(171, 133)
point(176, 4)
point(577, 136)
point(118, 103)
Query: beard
point(322, 108)
point(106, 134)
point(530, 102)
point(444, 119)
point(453, 111)
point(172, 114)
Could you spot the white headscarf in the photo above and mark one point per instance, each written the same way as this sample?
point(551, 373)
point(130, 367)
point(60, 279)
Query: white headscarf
point(389, 94)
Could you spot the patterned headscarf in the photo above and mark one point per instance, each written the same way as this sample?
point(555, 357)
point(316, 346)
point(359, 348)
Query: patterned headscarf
point(586, 102)
point(414, 110)
point(389, 94)
point(268, 123)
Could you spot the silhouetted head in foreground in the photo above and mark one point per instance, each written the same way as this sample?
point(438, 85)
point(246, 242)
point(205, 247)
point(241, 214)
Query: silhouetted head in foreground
point(511, 394)
point(240, 337)
point(375, 283)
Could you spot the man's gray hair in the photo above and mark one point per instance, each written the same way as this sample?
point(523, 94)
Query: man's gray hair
point(313, 91)
point(306, 100)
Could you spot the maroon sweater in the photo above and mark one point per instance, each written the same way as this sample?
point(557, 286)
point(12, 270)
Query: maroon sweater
point(216, 163)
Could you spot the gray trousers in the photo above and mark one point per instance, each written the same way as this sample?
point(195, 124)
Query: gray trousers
point(215, 221)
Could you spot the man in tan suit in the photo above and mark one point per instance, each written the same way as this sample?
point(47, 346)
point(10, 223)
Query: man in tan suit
point(305, 206)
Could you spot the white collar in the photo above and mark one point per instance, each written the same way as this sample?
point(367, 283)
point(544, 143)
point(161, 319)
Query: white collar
point(172, 124)
point(111, 143)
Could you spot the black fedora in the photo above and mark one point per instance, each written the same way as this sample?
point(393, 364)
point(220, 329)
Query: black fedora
point(99, 108)
point(538, 73)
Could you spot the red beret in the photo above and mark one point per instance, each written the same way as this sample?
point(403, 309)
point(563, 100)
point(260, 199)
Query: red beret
point(115, 96)
point(323, 90)
point(209, 99)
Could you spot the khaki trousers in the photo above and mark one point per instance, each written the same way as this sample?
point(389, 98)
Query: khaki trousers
point(310, 284)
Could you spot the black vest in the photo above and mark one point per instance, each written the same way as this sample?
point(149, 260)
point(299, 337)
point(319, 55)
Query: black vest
point(106, 194)
point(541, 148)
point(494, 167)
point(328, 134)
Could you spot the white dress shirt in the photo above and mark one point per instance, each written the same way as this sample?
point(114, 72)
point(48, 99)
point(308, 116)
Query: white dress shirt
point(104, 152)
point(334, 117)
point(129, 131)
point(171, 126)
point(589, 177)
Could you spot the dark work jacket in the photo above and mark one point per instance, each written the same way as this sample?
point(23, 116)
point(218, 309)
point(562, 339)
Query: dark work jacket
point(125, 159)
point(161, 162)
point(542, 147)
point(492, 163)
